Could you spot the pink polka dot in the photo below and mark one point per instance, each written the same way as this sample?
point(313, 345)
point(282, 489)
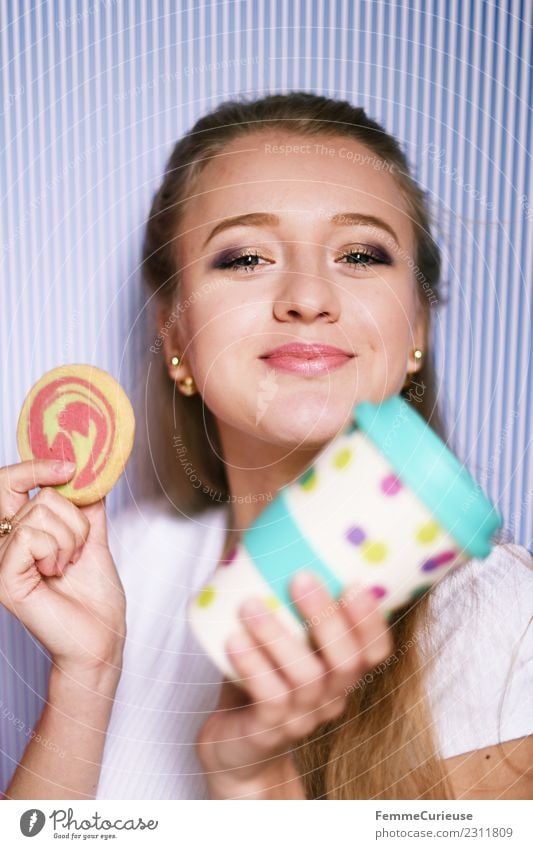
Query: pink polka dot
point(355, 535)
point(391, 485)
point(438, 560)
point(232, 553)
point(377, 591)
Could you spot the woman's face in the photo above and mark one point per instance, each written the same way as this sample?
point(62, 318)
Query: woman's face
point(319, 257)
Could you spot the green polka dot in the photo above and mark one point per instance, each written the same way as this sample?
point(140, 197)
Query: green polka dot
point(308, 480)
point(374, 551)
point(419, 592)
point(206, 597)
point(428, 532)
point(342, 458)
point(272, 602)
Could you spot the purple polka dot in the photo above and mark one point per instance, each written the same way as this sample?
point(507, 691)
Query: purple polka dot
point(355, 535)
point(438, 560)
point(391, 485)
point(229, 557)
point(377, 591)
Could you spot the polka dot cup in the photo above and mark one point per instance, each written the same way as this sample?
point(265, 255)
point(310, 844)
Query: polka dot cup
point(385, 504)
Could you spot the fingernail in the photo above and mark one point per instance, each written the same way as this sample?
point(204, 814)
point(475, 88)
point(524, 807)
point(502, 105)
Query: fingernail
point(305, 582)
point(64, 466)
point(254, 609)
point(363, 600)
point(237, 643)
point(355, 588)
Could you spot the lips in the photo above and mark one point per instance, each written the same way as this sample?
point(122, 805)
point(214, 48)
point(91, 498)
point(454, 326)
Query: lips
point(310, 359)
point(306, 351)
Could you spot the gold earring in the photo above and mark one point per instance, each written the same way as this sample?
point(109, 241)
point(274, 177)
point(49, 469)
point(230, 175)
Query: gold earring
point(187, 385)
point(417, 354)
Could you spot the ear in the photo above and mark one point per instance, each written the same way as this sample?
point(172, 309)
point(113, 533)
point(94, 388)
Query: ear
point(419, 340)
point(168, 330)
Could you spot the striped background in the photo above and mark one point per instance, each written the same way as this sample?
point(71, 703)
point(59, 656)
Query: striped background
point(93, 96)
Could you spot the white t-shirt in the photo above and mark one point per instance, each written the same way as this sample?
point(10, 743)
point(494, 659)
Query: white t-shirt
point(169, 686)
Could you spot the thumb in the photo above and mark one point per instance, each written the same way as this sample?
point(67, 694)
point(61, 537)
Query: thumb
point(97, 517)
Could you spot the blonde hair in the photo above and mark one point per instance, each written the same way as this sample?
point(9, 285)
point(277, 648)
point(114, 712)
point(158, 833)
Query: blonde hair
point(383, 746)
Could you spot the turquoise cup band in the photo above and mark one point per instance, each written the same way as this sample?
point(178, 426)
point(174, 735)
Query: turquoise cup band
point(421, 460)
point(279, 549)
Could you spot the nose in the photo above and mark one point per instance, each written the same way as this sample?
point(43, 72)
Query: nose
point(306, 297)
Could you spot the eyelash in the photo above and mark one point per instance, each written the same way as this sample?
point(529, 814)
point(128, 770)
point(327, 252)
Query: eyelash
point(229, 263)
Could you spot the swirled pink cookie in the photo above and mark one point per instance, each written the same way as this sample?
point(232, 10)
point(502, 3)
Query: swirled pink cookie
point(79, 413)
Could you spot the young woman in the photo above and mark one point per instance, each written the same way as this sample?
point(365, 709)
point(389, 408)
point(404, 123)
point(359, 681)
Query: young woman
point(291, 220)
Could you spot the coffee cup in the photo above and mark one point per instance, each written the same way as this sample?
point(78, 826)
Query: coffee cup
point(385, 505)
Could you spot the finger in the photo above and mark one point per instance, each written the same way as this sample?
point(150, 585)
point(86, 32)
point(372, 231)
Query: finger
point(258, 678)
point(69, 513)
point(333, 708)
point(279, 714)
point(290, 656)
point(18, 479)
point(27, 548)
point(97, 522)
point(333, 635)
point(371, 629)
point(42, 518)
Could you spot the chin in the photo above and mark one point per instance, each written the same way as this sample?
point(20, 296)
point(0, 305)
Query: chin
point(304, 425)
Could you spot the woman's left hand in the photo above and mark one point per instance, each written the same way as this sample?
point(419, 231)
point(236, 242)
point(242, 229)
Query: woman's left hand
point(289, 687)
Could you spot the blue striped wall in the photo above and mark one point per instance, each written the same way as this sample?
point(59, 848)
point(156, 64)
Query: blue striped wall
point(93, 96)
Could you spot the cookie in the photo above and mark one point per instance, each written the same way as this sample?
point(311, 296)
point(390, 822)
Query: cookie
point(79, 413)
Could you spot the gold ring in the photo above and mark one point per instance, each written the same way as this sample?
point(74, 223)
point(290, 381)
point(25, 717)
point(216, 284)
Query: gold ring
point(6, 526)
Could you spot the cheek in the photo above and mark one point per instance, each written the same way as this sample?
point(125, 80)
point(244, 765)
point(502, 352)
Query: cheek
point(393, 334)
point(390, 319)
point(378, 324)
point(388, 336)
point(217, 332)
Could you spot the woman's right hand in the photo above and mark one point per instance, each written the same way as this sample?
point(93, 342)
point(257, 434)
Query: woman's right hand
point(57, 575)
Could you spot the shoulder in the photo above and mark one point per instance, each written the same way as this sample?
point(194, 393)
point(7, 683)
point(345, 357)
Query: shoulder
point(479, 650)
point(503, 580)
point(481, 600)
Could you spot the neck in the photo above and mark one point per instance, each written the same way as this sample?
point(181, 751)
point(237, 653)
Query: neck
point(256, 471)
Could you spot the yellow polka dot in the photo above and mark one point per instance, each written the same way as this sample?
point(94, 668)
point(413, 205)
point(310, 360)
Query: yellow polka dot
point(342, 458)
point(374, 551)
point(272, 602)
point(428, 532)
point(205, 597)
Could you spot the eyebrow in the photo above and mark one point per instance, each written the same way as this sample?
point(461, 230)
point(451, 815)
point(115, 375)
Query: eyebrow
point(254, 219)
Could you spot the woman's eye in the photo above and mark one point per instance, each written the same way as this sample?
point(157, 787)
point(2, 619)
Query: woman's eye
point(363, 258)
point(244, 262)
